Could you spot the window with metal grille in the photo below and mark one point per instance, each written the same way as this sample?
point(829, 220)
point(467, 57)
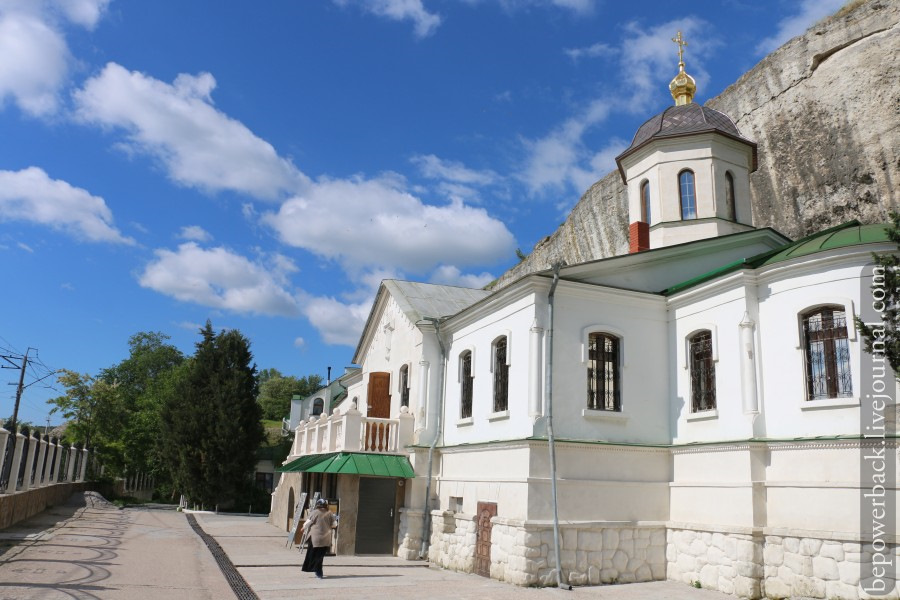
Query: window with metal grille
point(827, 353)
point(404, 385)
point(501, 376)
point(603, 372)
point(687, 195)
point(318, 406)
point(703, 372)
point(466, 381)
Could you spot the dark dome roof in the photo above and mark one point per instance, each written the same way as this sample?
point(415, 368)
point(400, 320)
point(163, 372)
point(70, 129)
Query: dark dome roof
point(686, 119)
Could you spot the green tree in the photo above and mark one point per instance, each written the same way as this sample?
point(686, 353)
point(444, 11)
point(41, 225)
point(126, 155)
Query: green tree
point(891, 314)
point(276, 391)
point(211, 420)
point(141, 381)
point(94, 412)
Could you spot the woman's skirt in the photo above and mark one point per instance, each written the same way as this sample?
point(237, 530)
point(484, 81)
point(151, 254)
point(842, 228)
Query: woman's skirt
point(314, 557)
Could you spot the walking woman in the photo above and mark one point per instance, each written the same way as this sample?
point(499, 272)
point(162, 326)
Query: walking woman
point(319, 525)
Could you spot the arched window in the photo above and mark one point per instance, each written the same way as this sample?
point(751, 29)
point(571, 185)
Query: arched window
point(703, 371)
point(318, 406)
point(645, 202)
point(730, 210)
point(465, 383)
point(827, 352)
point(501, 375)
point(603, 372)
point(686, 193)
point(404, 385)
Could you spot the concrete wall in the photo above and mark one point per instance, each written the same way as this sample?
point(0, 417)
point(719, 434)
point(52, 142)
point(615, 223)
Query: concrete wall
point(22, 505)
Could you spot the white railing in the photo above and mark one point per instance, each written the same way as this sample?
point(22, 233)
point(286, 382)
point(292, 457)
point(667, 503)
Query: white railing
point(350, 431)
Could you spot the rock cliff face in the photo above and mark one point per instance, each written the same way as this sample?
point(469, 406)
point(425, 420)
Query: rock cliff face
point(824, 110)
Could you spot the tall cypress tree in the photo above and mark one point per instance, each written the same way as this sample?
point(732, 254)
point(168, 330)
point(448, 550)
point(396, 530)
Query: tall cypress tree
point(212, 419)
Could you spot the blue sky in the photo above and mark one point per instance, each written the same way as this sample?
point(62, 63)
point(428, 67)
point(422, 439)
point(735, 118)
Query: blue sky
point(266, 164)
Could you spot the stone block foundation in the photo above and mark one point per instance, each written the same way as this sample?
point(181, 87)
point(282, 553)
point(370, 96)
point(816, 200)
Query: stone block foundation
point(776, 567)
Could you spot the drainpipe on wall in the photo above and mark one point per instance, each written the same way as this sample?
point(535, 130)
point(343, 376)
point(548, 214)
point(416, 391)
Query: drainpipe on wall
point(426, 518)
point(550, 438)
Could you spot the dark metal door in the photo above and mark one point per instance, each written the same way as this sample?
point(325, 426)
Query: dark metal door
point(375, 521)
point(486, 510)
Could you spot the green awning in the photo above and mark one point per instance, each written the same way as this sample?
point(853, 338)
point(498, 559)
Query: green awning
point(304, 463)
point(353, 463)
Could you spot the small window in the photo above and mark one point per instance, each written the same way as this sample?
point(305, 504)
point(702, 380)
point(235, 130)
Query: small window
point(466, 381)
point(603, 372)
point(703, 372)
point(827, 353)
point(686, 194)
point(404, 385)
point(645, 202)
point(501, 376)
point(318, 406)
point(730, 211)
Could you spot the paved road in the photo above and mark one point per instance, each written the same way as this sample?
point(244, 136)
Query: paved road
point(90, 550)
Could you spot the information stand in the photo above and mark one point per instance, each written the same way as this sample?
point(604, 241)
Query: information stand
point(298, 518)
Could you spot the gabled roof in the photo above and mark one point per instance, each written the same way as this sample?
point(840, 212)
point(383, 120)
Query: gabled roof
point(846, 235)
point(418, 301)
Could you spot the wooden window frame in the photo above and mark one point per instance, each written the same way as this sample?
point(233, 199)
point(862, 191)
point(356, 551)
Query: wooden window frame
point(645, 202)
point(682, 194)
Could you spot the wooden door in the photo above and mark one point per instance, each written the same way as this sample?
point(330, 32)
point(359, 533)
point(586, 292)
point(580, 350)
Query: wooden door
point(486, 510)
point(379, 395)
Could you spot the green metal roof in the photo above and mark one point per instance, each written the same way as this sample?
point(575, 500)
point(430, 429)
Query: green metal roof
point(852, 233)
point(304, 463)
point(353, 463)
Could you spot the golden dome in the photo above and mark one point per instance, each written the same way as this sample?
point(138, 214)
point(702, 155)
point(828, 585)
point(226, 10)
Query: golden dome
point(682, 87)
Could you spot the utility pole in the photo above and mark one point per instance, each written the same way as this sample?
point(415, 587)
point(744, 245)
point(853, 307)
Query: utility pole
point(11, 426)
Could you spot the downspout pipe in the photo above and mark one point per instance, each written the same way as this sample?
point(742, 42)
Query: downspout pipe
point(426, 518)
point(550, 438)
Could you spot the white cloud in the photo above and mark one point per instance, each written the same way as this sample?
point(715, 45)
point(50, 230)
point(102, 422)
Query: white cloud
point(424, 22)
point(178, 125)
point(36, 56)
point(67, 286)
point(338, 323)
point(450, 275)
point(194, 233)
point(376, 223)
point(25, 247)
point(30, 195)
point(436, 168)
point(40, 66)
point(582, 7)
point(810, 12)
point(219, 278)
point(646, 61)
point(299, 342)
point(82, 12)
point(593, 51)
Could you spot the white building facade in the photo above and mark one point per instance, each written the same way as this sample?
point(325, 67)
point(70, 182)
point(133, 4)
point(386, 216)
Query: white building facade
point(707, 393)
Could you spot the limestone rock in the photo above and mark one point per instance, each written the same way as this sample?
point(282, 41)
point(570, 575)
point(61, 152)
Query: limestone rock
point(828, 142)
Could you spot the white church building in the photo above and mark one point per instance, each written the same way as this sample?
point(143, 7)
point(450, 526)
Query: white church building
point(708, 391)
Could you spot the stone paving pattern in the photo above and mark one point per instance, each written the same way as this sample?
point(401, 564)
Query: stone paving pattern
point(88, 549)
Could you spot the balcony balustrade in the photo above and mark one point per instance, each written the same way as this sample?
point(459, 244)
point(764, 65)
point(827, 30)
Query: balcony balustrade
point(351, 431)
